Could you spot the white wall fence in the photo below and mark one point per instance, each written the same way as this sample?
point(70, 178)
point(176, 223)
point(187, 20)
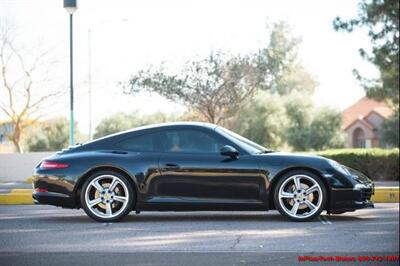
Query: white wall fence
point(19, 166)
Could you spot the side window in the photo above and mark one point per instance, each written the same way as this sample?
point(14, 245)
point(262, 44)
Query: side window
point(143, 143)
point(190, 141)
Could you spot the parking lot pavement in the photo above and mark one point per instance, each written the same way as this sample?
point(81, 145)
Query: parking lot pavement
point(6, 187)
point(34, 230)
point(386, 183)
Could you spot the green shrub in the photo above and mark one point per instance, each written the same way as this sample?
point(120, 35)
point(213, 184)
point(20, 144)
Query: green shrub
point(377, 164)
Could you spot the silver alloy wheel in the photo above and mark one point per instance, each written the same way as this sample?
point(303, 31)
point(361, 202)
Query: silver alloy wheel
point(106, 196)
point(300, 196)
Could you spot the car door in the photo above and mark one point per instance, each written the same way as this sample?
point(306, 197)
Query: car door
point(194, 172)
point(140, 156)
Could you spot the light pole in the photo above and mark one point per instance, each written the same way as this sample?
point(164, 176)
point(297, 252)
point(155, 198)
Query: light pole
point(90, 82)
point(70, 6)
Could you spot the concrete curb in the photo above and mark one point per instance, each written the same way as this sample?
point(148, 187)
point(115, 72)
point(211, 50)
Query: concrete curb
point(24, 196)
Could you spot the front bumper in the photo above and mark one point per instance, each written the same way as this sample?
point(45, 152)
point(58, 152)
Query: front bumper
point(345, 200)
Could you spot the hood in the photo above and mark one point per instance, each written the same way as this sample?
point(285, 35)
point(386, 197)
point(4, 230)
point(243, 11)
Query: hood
point(279, 158)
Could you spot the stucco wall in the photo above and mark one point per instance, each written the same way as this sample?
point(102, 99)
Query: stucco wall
point(368, 133)
point(19, 166)
point(375, 120)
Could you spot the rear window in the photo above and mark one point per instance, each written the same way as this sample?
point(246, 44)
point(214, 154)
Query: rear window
point(143, 143)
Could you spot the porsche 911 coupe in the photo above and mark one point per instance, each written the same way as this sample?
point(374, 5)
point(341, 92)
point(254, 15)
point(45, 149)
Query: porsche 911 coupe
point(194, 167)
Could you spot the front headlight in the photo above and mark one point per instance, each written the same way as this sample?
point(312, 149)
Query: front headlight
point(340, 168)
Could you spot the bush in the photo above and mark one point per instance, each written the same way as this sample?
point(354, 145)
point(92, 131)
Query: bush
point(377, 164)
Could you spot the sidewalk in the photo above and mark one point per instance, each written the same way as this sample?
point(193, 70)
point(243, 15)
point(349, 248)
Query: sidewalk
point(386, 183)
point(6, 187)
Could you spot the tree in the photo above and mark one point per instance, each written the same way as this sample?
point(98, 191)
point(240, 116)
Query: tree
point(390, 131)
point(298, 112)
point(218, 86)
point(50, 135)
point(263, 121)
point(122, 121)
point(381, 18)
point(289, 122)
point(114, 123)
point(312, 128)
point(296, 78)
point(325, 130)
point(21, 85)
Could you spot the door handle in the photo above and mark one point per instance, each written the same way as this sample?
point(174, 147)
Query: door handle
point(171, 166)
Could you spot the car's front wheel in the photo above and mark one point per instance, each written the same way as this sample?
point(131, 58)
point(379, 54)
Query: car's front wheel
point(107, 196)
point(300, 196)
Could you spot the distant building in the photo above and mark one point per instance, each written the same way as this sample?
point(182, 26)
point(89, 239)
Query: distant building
point(362, 123)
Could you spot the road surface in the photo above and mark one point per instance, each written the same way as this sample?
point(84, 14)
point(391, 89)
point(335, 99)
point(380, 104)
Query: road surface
point(43, 235)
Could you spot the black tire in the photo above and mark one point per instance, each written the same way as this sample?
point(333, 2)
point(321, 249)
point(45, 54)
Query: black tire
point(125, 208)
point(283, 205)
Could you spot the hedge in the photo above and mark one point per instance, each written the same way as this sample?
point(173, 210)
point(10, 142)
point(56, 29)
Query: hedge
point(377, 164)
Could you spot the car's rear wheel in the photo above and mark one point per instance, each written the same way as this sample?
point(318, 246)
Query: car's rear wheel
point(300, 196)
point(107, 196)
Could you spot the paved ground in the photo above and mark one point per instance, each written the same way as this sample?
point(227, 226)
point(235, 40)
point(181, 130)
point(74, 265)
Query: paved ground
point(386, 183)
point(235, 238)
point(6, 187)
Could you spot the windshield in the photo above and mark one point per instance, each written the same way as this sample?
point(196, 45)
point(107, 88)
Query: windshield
point(246, 144)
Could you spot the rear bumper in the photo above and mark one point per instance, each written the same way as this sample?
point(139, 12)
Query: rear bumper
point(51, 198)
point(55, 189)
point(359, 197)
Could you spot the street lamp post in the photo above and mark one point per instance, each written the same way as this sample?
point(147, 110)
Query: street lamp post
point(71, 6)
point(90, 82)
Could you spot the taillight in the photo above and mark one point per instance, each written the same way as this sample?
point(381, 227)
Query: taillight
point(53, 165)
point(41, 190)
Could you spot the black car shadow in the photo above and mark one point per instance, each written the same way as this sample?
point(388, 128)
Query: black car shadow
point(346, 218)
point(176, 217)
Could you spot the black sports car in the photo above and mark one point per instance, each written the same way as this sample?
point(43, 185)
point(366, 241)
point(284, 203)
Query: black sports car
point(194, 167)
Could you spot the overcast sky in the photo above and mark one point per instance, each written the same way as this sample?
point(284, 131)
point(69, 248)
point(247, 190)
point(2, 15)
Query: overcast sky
point(131, 35)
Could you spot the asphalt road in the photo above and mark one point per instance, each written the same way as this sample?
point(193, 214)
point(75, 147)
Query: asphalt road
point(43, 235)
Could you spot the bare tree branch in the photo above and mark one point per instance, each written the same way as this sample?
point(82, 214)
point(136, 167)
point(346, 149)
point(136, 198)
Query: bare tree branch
point(23, 101)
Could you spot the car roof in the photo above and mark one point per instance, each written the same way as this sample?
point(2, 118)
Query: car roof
point(170, 124)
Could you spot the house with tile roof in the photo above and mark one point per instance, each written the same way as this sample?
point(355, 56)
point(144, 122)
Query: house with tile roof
point(362, 123)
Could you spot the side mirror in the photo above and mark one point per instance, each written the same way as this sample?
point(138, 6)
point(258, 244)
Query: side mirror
point(229, 151)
